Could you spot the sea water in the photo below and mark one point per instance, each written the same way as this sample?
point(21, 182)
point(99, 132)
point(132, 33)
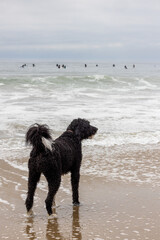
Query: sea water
point(123, 103)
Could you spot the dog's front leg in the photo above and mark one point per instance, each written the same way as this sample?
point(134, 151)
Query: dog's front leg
point(32, 183)
point(75, 176)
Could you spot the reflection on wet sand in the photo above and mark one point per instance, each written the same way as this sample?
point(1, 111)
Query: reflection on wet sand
point(76, 229)
point(31, 234)
point(52, 229)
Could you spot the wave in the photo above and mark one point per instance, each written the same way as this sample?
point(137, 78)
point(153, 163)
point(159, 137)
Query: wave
point(119, 139)
point(15, 149)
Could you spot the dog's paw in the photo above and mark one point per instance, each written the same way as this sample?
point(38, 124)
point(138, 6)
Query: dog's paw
point(76, 203)
point(52, 216)
point(30, 213)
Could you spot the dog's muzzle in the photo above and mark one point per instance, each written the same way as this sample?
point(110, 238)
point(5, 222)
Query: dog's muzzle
point(93, 132)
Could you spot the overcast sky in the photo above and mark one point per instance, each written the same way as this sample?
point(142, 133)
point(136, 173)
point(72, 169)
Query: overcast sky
point(115, 30)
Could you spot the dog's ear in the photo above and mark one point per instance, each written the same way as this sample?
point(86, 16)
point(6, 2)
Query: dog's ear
point(73, 125)
point(78, 129)
point(78, 133)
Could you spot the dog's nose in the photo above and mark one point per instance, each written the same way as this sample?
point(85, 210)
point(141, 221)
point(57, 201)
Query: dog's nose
point(95, 129)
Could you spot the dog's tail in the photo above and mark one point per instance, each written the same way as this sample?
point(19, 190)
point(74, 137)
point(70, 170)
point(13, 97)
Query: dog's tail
point(39, 137)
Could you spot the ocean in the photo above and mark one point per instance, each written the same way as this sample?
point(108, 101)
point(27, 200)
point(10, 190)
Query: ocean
point(123, 103)
point(120, 172)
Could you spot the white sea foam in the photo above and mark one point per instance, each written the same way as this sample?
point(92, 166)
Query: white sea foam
point(66, 190)
point(111, 139)
point(98, 77)
point(7, 203)
point(17, 165)
point(146, 84)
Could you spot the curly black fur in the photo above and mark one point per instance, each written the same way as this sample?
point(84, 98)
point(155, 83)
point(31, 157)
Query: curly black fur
point(55, 158)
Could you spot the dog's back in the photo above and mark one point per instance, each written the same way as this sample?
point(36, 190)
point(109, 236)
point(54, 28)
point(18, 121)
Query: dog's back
point(64, 152)
point(69, 150)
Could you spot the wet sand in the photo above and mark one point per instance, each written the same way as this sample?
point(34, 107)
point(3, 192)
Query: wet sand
point(109, 210)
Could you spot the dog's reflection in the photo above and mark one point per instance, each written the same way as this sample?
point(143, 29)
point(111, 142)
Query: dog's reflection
point(30, 229)
point(76, 229)
point(53, 230)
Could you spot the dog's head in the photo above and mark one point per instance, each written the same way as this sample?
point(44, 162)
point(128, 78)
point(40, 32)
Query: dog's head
point(82, 128)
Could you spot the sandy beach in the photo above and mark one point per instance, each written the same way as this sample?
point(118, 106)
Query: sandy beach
point(109, 210)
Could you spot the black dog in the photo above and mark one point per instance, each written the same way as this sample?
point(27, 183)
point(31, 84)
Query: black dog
point(55, 158)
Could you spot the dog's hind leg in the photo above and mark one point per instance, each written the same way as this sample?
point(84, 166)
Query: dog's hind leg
point(75, 176)
point(53, 185)
point(32, 184)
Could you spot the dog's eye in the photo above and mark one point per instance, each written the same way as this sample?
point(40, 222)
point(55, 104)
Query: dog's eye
point(86, 126)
